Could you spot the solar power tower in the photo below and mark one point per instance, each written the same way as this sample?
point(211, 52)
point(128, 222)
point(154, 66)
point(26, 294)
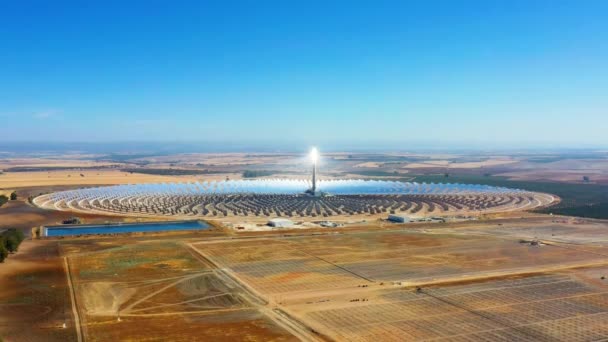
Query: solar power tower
point(314, 156)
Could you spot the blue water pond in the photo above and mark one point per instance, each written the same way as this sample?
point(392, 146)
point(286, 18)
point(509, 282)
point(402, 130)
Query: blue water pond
point(125, 228)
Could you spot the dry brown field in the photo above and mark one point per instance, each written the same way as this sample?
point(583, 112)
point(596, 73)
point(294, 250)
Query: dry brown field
point(547, 167)
point(223, 159)
point(83, 178)
point(158, 289)
point(68, 160)
point(148, 287)
point(556, 175)
point(458, 281)
point(490, 162)
point(476, 282)
point(34, 295)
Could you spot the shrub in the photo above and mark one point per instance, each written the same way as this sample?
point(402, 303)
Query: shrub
point(3, 251)
point(18, 234)
point(11, 239)
point(3, 199)
point(72, 220)
point(13, 196)
point(11, 243)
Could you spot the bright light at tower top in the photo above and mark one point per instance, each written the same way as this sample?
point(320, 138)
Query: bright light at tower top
point(314, 154)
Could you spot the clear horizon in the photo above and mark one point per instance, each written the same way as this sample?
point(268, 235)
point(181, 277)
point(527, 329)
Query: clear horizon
point(8, 149)
point(472, 74)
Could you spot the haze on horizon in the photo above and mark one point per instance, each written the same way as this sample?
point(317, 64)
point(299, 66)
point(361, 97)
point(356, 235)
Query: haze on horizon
point(436, 73)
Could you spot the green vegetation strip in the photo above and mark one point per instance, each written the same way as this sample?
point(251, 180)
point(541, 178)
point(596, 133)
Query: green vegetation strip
point(376, 173)
point(10, 240)
point(257, 173)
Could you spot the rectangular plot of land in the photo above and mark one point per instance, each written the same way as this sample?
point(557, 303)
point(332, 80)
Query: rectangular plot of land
point(551, 308)
point(140, 261)
point(386, 256)
point(404, 256)
point(160, 290)
point(278, 268)
point(344, 285)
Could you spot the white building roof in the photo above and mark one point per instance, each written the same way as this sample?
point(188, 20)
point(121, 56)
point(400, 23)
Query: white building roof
point(280, 222)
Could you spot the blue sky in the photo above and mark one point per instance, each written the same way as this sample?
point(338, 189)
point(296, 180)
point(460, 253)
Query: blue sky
point(474, 73)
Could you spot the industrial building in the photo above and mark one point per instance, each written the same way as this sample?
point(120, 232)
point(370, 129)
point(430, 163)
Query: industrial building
point(280, 223)
point(398, 218)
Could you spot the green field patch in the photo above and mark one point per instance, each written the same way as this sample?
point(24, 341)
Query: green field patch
point(136, 262)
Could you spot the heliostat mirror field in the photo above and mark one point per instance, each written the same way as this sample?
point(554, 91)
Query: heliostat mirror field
point(288, 197)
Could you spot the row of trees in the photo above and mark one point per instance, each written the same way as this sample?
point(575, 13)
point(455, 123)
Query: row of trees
point(4, 198)
point(256, 173)
point(9, 242)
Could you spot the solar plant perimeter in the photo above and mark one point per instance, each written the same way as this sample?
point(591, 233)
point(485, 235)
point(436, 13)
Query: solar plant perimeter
point(287, 197)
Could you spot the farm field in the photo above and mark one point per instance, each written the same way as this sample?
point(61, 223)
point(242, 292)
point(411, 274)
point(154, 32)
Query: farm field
point(288, 265)
point(161, 288)
point(34, 295)
point(460, 281)
point(14, 180)
point(454, 284)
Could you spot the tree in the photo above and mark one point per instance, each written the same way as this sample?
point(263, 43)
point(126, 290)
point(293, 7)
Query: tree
point(11, 243)
point(18, 234)
point(73, 220)
point(11, 239)
point(13, 196)
point(3, 199)
point(3, 251)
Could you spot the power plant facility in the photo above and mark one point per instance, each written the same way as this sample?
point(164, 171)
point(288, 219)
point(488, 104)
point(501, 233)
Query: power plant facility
point(289, 198)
